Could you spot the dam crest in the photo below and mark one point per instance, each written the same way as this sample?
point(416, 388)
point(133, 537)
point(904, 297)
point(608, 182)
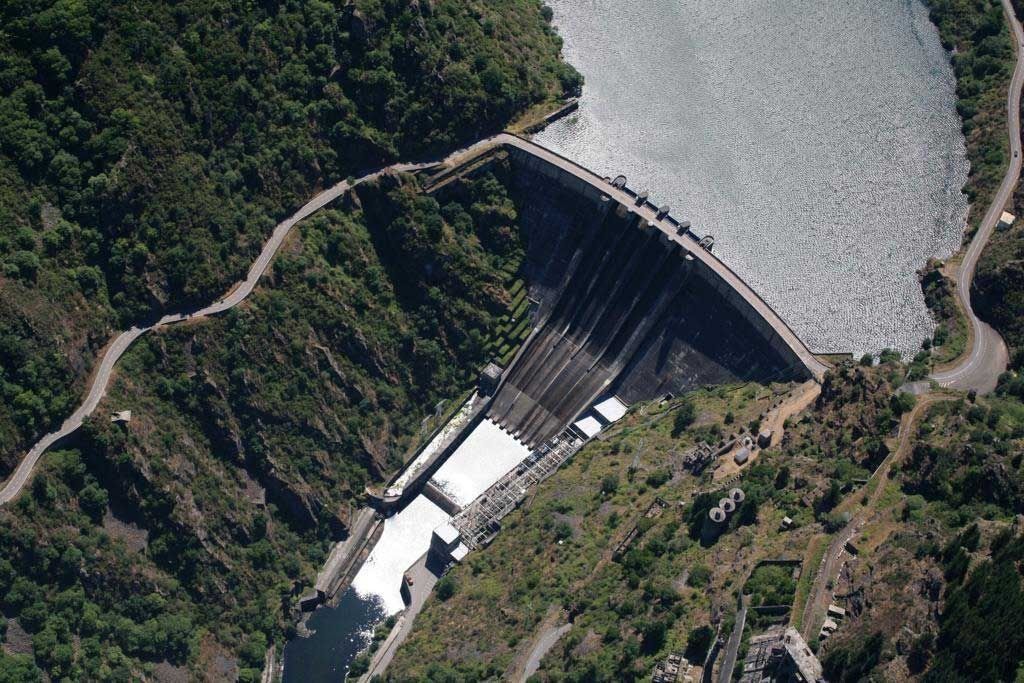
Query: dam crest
point(628, 300)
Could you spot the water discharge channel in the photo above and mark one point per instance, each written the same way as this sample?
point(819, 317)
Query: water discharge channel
point(342, 631)
point(812, 139)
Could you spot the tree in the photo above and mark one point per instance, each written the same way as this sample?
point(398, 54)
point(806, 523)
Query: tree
point(254, 650)
point(93, 501)
point(699, 576)
point(18, 669)
point(853, 659)
point(829, 499)
point(698, 642)
point(445, 588)
point(652, 634)
point(902, 402)
point(685, 416)
point(782, 477)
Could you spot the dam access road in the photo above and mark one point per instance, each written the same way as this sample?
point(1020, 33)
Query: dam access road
point(103, 373)
point(988, 358)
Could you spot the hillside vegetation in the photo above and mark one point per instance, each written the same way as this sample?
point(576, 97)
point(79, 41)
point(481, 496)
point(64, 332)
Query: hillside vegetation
point(976, 34)
point(935, 593)
point(983, 63)
point(187, 534)
point(997, 292)
point(147, 148)
point(938, 593)
point(632, 603)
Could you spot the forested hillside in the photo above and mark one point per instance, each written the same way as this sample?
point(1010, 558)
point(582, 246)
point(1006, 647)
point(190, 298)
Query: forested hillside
point(147, 148)
point(942, 596)
point(983, 62)
point(187, 533)
point(978, 38)
point(997, 292)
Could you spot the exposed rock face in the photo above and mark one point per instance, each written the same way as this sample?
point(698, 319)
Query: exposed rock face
point(301, 507)
point(356, 23)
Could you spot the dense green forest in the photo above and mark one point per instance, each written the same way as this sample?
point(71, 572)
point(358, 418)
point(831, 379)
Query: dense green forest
point(252, 437)
point(976, 34)
point(983, 63)
point(147, 148)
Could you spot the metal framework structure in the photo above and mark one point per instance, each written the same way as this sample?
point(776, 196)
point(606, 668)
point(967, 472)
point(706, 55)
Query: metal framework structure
point(479, 521)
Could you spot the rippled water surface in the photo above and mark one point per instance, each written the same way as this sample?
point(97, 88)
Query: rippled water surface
point(340, 634)
point(817, 140)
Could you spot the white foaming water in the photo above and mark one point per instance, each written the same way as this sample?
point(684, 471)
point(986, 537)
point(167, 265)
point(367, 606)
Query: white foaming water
point(405, 539)
point(460, 418)
point(817, 141)
point(482, 459)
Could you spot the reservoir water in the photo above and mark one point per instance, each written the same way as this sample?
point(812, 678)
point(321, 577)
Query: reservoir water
point(818, 141)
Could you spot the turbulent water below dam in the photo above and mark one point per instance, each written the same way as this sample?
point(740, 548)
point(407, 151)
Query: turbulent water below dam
point(817, 141)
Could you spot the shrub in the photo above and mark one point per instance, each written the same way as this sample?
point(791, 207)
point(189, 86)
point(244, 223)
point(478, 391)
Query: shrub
point(445, 588)
point(685, 416)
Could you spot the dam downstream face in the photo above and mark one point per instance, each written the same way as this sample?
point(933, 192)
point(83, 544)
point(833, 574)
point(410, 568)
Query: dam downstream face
point(818, 142)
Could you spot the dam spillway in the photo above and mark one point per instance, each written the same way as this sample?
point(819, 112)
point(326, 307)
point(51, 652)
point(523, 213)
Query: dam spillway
point(624, 305)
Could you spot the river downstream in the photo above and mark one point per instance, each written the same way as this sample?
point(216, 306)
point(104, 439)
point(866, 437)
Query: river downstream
point(817, 141)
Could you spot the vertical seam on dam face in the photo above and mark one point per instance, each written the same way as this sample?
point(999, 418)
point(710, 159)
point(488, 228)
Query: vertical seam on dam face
point(625, 309)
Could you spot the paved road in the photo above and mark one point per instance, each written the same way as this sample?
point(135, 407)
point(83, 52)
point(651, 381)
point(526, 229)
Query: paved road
point(101, 378)
point(820, 595)
point(988, 358)
point(23, 472)
point(733, 647)
point(424, 579)
point(102, 374)
point(545, 642)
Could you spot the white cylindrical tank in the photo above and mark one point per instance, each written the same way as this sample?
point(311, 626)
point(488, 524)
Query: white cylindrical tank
point(727, 505)
point(716, 515)
point(737, 495)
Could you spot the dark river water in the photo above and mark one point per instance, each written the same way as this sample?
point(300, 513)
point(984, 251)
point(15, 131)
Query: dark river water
point(817, 140)
point(341, 634)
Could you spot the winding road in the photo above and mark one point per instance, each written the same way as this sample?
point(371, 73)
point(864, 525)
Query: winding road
point(113, 352)
point(988, 358)
point(102, 376)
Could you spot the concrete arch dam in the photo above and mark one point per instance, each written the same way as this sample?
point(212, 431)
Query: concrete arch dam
point(628, 303)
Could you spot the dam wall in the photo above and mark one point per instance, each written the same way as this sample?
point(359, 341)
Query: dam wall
point(628, 306)
point(535, 175)
point(388, 504)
